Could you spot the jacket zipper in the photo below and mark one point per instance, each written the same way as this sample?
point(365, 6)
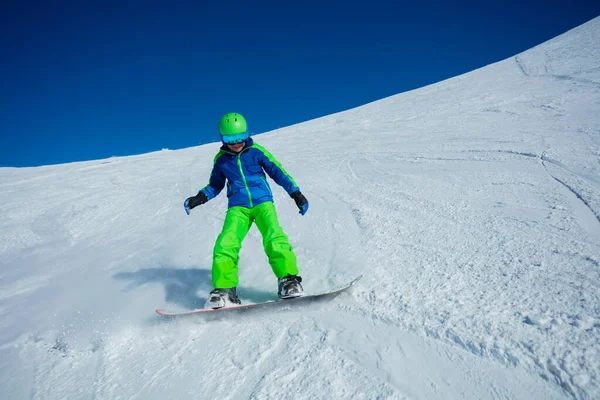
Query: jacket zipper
point(239, 161)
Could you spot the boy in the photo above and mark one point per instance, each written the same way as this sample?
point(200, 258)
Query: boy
point(241, 163)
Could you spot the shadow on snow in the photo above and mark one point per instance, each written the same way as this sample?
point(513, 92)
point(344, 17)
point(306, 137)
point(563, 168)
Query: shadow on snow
point(182, 285)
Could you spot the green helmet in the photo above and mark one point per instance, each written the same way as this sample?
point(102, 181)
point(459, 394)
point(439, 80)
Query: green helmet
point(233, 128)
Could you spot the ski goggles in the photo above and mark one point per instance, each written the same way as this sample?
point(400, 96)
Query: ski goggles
point(235, 139)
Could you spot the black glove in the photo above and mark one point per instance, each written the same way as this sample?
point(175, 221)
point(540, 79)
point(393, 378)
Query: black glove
point(195, 201)
point(301, 201)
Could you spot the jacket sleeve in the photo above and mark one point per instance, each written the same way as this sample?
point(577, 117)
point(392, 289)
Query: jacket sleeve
point(216, 182)
point(275, 170)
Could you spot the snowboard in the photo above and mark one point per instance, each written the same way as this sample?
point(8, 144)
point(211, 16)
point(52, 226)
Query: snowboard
point(271, 303)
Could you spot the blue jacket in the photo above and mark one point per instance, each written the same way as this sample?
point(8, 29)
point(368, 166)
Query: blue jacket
point(244, 173)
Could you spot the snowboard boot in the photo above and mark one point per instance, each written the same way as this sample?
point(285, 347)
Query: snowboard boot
point(220, 298)
point(290, 287)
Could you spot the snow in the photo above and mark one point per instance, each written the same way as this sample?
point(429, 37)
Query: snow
point(471, 207)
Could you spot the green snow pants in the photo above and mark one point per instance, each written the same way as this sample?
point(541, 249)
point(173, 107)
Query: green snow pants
point(229, 243)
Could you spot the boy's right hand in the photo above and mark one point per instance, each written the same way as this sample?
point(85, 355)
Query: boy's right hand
point(301, 201)
point(195, 201)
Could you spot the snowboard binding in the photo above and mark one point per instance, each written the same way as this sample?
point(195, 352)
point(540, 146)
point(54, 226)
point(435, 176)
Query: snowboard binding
point(220, 298)
point(289, 287)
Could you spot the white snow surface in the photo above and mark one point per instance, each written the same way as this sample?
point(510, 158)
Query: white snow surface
point(471, 207)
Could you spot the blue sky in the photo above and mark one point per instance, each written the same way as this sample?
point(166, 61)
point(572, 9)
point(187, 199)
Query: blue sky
point(87, 80)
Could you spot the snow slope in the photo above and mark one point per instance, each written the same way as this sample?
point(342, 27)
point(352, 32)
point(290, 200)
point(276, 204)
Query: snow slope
point(471, 206)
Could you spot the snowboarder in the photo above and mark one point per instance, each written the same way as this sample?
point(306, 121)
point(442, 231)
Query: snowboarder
point(241, 164)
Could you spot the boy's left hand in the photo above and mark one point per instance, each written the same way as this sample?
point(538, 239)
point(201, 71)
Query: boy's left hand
point(301, 201)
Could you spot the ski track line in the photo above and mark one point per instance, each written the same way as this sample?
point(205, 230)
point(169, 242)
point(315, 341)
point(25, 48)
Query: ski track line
point(595, 229)
point(595, 181)
point(578, 195)
point(544, 159)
